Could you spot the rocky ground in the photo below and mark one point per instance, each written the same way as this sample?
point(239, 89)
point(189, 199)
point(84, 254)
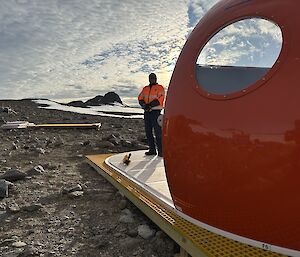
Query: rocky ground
point(57, 205)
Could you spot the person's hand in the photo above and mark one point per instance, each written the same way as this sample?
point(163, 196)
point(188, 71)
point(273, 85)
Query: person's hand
point(147, 107)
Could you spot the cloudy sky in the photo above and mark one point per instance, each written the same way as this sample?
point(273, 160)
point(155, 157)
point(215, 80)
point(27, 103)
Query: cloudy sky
point(70, 49)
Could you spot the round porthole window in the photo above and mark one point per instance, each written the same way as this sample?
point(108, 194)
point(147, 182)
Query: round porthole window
point(238, 56)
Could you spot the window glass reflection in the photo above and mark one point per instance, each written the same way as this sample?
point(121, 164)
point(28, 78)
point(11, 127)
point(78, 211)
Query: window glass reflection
point(238, 56)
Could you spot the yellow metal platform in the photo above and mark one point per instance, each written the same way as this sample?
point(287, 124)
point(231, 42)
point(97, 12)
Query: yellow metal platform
point(192, 239)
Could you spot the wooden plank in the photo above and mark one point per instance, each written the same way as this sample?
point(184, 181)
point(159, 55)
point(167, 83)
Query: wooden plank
point(25, 124)
point(66, 125)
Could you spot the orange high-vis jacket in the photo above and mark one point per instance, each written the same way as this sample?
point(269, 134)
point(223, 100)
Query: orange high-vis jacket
point(156, 92)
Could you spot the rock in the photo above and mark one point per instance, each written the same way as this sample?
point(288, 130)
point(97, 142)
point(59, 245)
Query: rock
point(122, 204)
point(94, 101)
point(48, 141)
point(102, 244)
point(100, 241)
point(150, 252)
point(132, 232)
point(111, 97)
point(14, 146)
point(18, 244)
point(13, 175)
point(75, 194)
point(40, 150)
point(145, 231)
point(30, 231)
point(117, 234)
point(50, 166)
point(119, 195)
point(108, 98)
point(163, 245)
point(58, 141)
point(129, 243)
point(160, 234)
point(113, 139)
point(14, 237)
point(126, 216)
point(4, 188)
point(72, 189)
point(7, 242)
point(12, 207)
point(126, 143)
point(28, 252)
point(37, 170)
point(2, 206)
point(32, 208)
point(77, 104)
point(86, 143)
point(105, 144)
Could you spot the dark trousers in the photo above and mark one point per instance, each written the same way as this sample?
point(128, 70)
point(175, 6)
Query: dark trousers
point(151, 124)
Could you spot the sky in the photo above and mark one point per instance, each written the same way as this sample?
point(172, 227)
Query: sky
point(75, 49)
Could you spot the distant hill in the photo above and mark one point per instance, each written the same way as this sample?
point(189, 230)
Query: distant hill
point(108, 98)
point(77, 104)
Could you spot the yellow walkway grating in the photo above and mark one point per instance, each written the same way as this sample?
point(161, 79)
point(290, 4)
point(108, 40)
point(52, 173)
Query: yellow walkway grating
point(195, 240)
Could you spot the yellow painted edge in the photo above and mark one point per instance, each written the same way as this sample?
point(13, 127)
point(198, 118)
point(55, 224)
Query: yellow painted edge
point(66, 125)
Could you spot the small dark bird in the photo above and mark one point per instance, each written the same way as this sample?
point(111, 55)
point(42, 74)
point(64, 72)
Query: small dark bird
point(126, 159)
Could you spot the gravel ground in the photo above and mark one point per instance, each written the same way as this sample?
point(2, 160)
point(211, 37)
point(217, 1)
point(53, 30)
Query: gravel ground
point(57, 205)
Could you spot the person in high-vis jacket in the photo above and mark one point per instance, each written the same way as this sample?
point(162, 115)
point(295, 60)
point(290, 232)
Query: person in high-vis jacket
point(152, 100)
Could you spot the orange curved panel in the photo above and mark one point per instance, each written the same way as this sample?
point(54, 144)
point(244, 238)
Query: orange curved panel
point(233, 162)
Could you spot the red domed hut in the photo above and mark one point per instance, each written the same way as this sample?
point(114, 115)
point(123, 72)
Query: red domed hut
point(232, 156)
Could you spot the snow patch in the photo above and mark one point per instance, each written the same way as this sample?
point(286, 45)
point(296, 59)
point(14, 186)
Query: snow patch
point(116, 110)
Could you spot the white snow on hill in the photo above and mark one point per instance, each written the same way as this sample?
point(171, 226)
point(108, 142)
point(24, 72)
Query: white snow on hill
point(116, 110)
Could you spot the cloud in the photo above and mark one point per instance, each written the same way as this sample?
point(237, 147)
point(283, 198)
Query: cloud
point(46, 45)
point(197, 9)
point(255, 42)
point(100, 45)
point(250, 42)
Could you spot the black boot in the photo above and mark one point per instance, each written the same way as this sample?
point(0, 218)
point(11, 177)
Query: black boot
point(150, 153)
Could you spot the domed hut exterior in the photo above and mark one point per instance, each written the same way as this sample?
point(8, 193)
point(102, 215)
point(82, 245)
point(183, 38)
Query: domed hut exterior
point(232, 147)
